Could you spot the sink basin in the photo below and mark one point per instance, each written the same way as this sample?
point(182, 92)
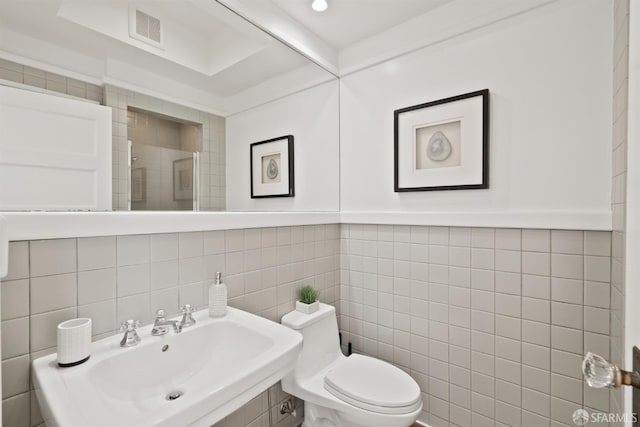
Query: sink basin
point(194, 378)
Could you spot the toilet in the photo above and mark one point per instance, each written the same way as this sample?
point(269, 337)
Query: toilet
point(354, 391)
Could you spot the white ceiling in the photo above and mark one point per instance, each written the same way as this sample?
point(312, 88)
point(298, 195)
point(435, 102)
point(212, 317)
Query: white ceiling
point(348, 21)
point(213, 58)
point(207, 46)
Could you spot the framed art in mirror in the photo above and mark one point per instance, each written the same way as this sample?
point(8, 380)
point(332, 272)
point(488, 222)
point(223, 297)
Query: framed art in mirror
point(183, 179)
point(271, 166)
point(139, 185)
point(443, 144)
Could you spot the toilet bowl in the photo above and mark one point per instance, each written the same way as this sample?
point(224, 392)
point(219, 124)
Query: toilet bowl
point(354, 391)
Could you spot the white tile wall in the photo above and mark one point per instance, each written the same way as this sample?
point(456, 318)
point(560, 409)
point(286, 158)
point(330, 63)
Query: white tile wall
point(96, 253)
point(115, 278)
point(491, 323)
point(49, 257)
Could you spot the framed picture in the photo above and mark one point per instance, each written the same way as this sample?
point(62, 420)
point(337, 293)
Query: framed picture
point(183, 179)
point(271, 164)
point(443, 144)
point(139, 185)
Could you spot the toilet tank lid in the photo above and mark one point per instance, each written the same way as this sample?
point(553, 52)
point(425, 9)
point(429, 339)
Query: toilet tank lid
point(297, 320)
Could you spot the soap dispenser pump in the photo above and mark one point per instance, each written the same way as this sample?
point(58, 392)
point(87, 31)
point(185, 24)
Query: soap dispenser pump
point(217, 297)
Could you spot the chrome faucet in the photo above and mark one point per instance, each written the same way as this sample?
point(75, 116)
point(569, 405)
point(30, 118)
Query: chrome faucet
point(161, 325)
point(130, 337)
point(187, 319)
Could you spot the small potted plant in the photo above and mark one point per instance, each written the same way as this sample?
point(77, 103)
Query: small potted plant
point(307, 300)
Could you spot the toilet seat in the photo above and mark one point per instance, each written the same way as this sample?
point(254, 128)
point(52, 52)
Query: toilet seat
point(373, 385)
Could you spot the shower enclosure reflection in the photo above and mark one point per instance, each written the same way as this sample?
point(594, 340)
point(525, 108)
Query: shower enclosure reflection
point(162, 179)
point(163, 162)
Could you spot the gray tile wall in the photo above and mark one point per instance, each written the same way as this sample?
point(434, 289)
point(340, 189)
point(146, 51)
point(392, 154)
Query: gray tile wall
point(114, 278)
point(619, 186)
point(24, 74)
point(491, 323)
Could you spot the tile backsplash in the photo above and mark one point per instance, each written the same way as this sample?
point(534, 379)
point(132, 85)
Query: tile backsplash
point(18, 73)
point(115, 278)
point(491, 323)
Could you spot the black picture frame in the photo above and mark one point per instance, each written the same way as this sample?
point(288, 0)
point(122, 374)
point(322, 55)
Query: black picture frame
point(275, 146)
point(484, 184)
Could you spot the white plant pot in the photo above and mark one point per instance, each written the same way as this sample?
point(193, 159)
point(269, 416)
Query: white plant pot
point(307, 308)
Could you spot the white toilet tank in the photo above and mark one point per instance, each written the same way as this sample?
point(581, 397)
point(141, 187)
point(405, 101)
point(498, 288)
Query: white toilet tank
point(320, 345)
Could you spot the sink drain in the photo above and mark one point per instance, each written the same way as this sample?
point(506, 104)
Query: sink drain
point(174, 395)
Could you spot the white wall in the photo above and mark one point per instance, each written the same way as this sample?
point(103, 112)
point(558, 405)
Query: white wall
point(311, 116)
point(632, 252)
point(549, 73)
point(4, 269)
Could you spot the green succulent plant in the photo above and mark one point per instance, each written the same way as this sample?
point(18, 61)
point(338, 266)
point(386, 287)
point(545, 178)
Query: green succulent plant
point(308, 294)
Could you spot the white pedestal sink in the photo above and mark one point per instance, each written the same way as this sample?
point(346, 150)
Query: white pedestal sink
point(215, 367)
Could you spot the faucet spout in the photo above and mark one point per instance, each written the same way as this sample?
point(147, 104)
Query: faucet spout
point(161, 325)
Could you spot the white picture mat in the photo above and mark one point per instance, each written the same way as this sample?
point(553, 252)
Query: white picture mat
point(469, 113)
point(267, 149)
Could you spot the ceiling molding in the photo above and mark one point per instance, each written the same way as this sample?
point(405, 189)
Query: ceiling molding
point(186, 39)
point(446, 22)
point(42, 39)
point(121, 84)
point(287, 84)
point(22, 49)
point(278, 24)
point(450, 20)
point(147, 82)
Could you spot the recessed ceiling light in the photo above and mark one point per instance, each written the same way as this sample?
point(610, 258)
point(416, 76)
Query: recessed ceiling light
point(319, 5)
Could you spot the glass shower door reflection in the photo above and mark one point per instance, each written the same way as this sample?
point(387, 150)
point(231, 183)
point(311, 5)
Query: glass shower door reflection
point(162, 178)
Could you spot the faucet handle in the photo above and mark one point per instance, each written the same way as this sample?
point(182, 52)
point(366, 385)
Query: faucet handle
point(160, 314)
point(130, 337)
point(129, 325)
point(187, 319)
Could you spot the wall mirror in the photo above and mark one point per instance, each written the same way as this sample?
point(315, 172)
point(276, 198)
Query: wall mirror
point(175, 74)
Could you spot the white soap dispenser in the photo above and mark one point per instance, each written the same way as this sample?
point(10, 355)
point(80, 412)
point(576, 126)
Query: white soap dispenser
point(217, 297)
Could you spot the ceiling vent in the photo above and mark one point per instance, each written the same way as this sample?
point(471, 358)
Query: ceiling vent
point(146, 28)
